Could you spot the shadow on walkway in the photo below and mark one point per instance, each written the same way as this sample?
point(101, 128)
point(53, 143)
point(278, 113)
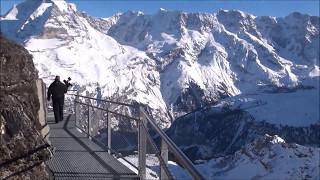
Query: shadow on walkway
point(77, 157)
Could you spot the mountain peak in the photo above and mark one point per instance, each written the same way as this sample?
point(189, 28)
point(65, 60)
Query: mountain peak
point(267, 140)
point(64, 6)
point(233, 13)
point(162, 10)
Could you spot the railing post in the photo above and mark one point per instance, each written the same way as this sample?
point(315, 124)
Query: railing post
point(142, 146)
point(180, 156)
point(109, 132)
point(77, 110)
point(164, 155)
point(89, 122)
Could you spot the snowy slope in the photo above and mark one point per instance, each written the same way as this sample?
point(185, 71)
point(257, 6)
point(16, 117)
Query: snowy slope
point(174, 62)
point(296, 108)
point(204, 57)
point(210, 50)
point(264, 69)
point(268, 157)
point(66, 44)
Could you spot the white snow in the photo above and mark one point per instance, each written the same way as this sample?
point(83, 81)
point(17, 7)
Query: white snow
point(153, 59)
point(44, 44)
point(11, 14)
point(277, 140)
point(64, 6)
point(41, 9)
point(269, 157)
point(292, 108)
point(152, 164)
point(315, 72)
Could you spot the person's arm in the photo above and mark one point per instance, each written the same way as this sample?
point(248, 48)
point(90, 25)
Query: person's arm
point(67, 85)
point(65, 88)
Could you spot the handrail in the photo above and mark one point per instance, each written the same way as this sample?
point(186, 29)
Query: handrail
point(98, 142)
point(182, 158)
point(104, 100)
point(112, 112)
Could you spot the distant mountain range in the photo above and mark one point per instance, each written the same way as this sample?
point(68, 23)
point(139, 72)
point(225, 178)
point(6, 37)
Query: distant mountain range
point(172, 61)
point(178, 63)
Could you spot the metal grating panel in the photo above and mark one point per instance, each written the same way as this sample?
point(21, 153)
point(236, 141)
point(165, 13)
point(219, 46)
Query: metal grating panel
point(77, 157)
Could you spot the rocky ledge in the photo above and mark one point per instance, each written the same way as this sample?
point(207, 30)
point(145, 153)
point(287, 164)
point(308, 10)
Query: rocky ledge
point(22, 147)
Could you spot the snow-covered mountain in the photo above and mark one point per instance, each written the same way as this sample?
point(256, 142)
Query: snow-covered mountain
point(239, 75)
point(267, 157)
point(221, 131)
point(224, 53)
point(174, 62)
point(64, 43)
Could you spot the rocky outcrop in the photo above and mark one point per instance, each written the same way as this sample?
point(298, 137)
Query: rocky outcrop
point(216, 132)
point(267, 157)
point(22, 147)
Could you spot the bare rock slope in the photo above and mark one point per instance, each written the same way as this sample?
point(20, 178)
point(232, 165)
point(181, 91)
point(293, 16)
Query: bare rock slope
point(22, 147)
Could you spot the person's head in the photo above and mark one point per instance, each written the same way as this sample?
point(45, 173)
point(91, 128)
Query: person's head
point(57, 78)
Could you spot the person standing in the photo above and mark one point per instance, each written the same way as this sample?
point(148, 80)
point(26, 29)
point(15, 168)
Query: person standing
point(56, 90)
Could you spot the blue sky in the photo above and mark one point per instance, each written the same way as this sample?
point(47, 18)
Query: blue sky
point(106, 8)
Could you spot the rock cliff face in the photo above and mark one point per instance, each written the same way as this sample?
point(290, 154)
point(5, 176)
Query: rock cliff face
point(215, 132)
point(22, 147)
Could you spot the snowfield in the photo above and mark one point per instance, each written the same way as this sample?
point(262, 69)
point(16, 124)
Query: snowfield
point(176, 63)
point(172, 61)
point(268, 157)
point(286, 108)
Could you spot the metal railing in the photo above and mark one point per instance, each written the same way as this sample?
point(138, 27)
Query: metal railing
point(125, 131)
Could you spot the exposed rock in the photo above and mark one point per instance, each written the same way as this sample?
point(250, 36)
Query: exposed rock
point(22, 147)
point(217, 132)
point(267, 157)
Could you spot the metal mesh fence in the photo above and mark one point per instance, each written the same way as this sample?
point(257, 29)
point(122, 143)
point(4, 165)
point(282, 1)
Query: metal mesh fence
point(82, 117)
point(105, 122)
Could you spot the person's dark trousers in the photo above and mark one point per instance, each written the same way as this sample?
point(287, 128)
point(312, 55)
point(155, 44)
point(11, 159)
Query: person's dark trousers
point(57, 104)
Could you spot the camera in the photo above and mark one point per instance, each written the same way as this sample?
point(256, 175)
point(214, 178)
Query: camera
point(67, 82)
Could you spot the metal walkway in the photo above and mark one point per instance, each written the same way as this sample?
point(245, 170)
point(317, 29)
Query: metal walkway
point(77, 157)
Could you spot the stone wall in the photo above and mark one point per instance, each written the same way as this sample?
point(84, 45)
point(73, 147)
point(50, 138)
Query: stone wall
point(22, 147)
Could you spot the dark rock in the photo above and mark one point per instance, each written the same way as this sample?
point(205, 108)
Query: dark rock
point(22, 147)
point(215, 132)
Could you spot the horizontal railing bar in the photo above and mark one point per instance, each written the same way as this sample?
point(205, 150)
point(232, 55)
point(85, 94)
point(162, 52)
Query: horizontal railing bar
point(129, 117)
point(107, 148)
point(104, 100)
point(182, 158)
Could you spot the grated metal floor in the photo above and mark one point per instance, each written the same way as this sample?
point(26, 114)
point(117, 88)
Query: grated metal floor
point(77, 157)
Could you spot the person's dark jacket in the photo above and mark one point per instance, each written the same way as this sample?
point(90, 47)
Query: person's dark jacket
point(57, 90)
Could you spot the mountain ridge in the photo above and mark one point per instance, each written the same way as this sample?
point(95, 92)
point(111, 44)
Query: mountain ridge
point(189, 60)
point(234, 76)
